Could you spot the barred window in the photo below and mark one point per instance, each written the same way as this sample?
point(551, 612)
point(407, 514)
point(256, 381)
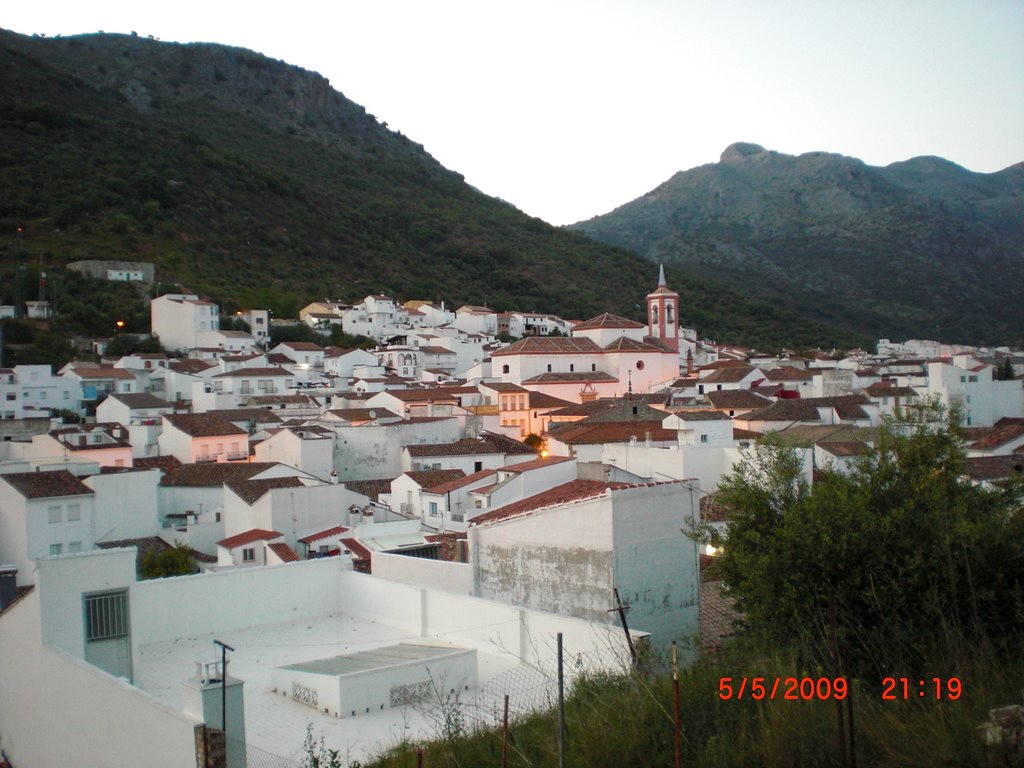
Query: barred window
point(106, 616)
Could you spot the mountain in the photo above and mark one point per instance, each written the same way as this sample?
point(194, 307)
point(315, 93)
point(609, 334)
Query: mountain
point(256, 183)
point(917, 248)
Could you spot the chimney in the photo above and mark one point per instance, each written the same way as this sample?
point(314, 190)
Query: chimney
point(647, 438)
point(334, 477)
point(689, 362)
point(8, 585)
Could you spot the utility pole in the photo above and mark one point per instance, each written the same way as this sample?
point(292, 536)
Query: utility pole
point(621, 610)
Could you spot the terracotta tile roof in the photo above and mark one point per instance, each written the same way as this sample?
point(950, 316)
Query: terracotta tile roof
point(702, 414)
point(538, 463)
point(806, 409)
point(203, 424)
point(718, 364)
point(575, 490)
point(506, 444)
point(1001, 434)
point(251, 491)
point(285, 400)
point(550, 345)
point(212, 475)
point(327, 533)
point(461, 482)
point(165, 463)
point(503, 386)
point(607, 320)
point(302, 346)
point(436, 351)
point(239, 373)
point(718, 614)
point(730, 375)
point(467, 447)
point(745, 434)
point(140, 400)
point(788, 373)
point(362, 414)
point(284, 552)
point(429, 478)
point(711, 511)
point(626, 344)
point(258, 415)
point(423, 395)
point(449, 543)
point(372, 489)
point(591, 433)
point(45, 485)
point(886, 389)
point(980, 468)
point(737, 398)
point(358, 550)
point(570, 378)
point(846, 447)
point(248, 537)
point(103, 373)
point(190, 366)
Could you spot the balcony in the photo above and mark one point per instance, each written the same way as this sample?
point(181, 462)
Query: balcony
point(236, 456)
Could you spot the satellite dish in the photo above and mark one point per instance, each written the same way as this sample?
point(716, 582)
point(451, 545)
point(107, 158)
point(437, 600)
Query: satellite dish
point(373, 414)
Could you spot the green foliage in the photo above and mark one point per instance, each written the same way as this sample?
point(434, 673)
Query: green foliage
point(533, 441)
point(177, 561)
point(231, 198)
point(895, 562)
point(1004, 371)
point(126, 344)
point(296, 332)
point(626, 720)
point(350, 341)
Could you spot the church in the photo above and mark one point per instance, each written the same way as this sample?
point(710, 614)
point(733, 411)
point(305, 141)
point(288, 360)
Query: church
point(605, 356)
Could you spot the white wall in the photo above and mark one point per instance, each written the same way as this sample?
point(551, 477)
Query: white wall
point(372, 452)
point(558, 560)
point(222, 601)
point(656, 569)
point(420, 572)
point(56, 710)
point(126, 504)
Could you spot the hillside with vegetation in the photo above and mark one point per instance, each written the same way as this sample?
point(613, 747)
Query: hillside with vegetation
point(257, 184)
point(921, 248)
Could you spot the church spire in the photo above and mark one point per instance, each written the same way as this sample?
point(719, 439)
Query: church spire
point(661, 275)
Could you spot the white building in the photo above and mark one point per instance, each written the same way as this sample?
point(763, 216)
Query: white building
point(34, 390)
point(180, 319)
point(565, 550)
point(968, 385)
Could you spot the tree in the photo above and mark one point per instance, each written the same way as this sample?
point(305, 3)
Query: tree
point(880, 568)
point(1004, 371)
point(178, 561)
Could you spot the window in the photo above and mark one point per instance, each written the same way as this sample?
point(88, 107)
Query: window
point(703, 438)
point(56, 549)
point(669, 314)
point(106, 616)
point(74, 512)
point(654, 315)
point(220, 448)
point(12, 395)
point(593, 366)
point(549, 367)
point(54, 515)
point(971, 379)
point(118, 462)
point(42, 393)
point(74, 547)
point(433, 509)
point(572, 367)
point(67, 395)
point(504, 369)
point(216, 517)
point(249, 555)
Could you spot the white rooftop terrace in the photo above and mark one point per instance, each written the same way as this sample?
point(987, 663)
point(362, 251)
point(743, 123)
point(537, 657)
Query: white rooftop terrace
point(272, 616)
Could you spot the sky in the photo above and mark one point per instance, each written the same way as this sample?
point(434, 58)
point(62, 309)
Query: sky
point(568, 109)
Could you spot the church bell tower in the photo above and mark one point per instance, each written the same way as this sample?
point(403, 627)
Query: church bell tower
point(663, 314)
